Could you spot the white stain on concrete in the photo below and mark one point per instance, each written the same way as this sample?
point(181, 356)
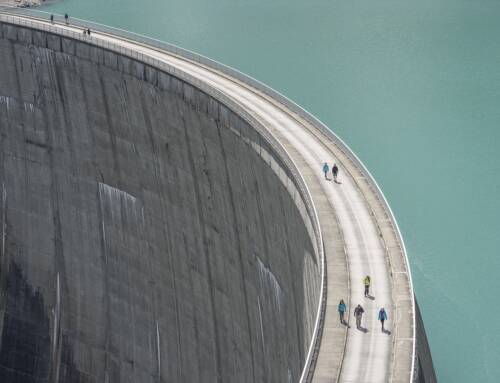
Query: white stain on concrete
point(4, 213)
point(261, 329)
point(270, 282)
point(29, 107)
point(6, 100)
point(11, 102)
point(120, 204)
point(158, 349)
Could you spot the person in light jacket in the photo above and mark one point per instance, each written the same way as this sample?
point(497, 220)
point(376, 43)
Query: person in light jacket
point(326, 168)
point(342, 310)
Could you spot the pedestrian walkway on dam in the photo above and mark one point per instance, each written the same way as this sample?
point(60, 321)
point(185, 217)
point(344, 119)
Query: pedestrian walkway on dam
point(359, 235)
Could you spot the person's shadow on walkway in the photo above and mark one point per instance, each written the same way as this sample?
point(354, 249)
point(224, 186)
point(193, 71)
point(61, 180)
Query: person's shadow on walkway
point(370, 297)
point(386, 332)
point(362, 329)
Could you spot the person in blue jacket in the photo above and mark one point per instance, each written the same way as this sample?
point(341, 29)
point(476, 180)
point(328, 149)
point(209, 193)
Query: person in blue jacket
point(342, 310)
point(326, 168)
point(382, 317)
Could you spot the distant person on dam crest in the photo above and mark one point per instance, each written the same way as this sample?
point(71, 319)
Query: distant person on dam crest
point(367, 281)
point(52, 19)
point(66, 17)
point(382, 317)
point(335, 172)
point(342, 310)
point(325, 170)
point(358, 314)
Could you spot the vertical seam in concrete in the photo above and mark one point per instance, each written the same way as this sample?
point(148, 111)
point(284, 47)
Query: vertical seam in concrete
point(240, 254)
point(56, 331)
point(156, 162)
point(262, 333)
point(266, 248)
point(63, 97)
point(195, 320)
point(56, 218)
point(158, 350)
point(107, 323)
point(290, 267)
point(177, 320)
point(4, 265)
point(112, 135)
point(206, 250)
point(167, 239)
point(4, 214)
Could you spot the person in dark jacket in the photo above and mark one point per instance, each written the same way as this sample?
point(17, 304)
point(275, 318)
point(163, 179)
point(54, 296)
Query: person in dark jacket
point(382, 317)
point(66, 17)
point(335, 172)
point(358, 314)
point(52, 19)
point(342, 310)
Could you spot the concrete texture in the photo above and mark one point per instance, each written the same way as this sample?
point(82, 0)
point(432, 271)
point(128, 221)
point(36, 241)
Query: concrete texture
point(147, 236)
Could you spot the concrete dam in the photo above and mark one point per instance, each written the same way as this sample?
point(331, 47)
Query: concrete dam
point(165, 219)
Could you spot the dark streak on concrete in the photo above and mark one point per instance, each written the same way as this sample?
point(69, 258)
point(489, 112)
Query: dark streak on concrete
point(25, 352)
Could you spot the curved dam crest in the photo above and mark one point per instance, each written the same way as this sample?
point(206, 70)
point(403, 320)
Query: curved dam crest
point(149, 233)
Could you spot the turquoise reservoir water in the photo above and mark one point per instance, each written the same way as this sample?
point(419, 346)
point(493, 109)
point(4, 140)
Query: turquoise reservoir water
point(414, 88)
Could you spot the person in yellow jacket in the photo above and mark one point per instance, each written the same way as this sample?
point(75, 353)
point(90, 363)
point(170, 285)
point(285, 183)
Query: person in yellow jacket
point(367, 282)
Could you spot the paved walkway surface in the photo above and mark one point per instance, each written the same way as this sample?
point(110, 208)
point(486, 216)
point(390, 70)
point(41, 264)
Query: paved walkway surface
point(359, 239)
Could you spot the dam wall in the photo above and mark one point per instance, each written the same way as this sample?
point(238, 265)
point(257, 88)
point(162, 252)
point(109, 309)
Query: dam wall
point(149, 233)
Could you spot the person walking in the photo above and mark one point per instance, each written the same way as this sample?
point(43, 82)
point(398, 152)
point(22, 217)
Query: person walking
point(335, 171)
point(367, 281)
point(52, 19)
point(358, 314)
point(66, 17)
point(382, 317)
point(325, 170)
point(88, 31)
point(342, 310)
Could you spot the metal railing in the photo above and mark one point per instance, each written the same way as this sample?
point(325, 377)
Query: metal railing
point(32, 19)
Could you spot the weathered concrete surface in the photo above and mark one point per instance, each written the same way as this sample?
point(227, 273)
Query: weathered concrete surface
point(144, 237)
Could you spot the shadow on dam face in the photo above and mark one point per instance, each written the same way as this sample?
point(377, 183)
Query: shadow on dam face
point(149, 234)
